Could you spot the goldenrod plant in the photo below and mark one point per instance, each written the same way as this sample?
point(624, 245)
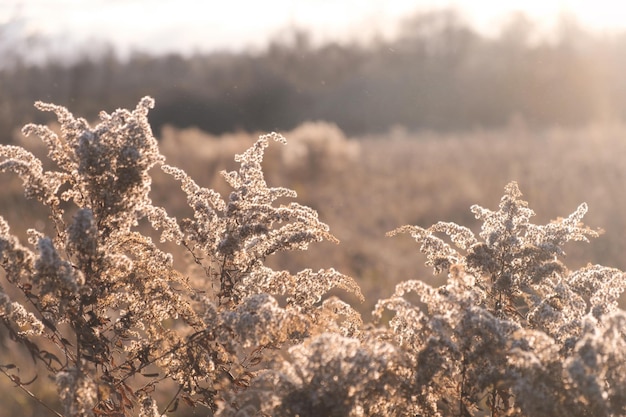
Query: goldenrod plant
point(103, 309)
point(125, 326)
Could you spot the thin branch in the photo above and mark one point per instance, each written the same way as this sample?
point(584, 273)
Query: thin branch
point(167, 407)
point(29, 393)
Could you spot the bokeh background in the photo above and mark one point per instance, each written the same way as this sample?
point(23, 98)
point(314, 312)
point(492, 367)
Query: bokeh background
point(396, 112)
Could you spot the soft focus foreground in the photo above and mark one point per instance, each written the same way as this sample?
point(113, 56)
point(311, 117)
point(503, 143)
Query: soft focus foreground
point(215, 319)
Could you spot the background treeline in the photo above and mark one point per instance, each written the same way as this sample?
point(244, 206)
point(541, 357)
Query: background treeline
point(438, 73)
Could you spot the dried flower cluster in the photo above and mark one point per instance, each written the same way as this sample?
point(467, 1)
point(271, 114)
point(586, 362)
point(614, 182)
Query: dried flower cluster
point(511, 331)
point(124, 332)
point(102, 306)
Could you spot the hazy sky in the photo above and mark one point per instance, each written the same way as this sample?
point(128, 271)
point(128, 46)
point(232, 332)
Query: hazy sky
point(187, 25)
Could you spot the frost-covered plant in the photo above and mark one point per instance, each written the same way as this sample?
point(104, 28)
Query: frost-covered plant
point(332, 375)
point(231, 239)
point(101, 306)
point(512, 331)
point(122, 331)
